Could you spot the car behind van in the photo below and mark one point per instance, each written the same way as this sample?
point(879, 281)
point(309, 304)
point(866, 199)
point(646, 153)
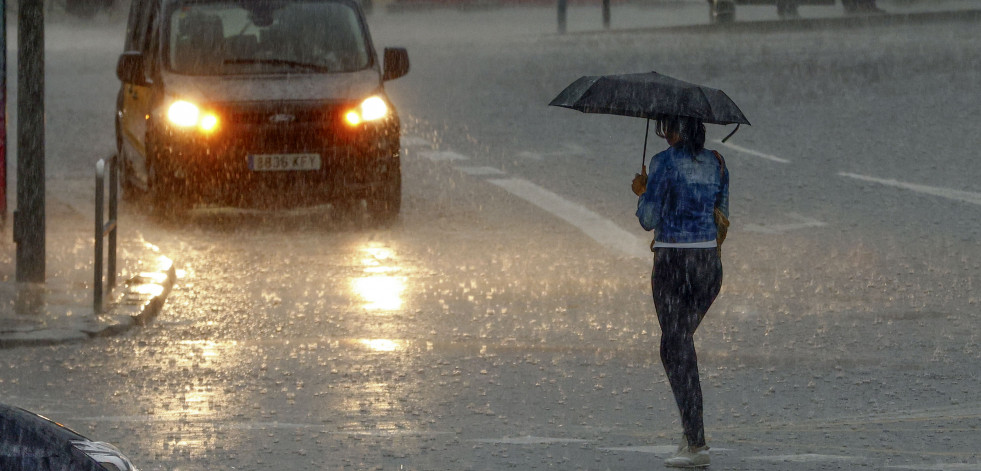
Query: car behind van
point(257, 103)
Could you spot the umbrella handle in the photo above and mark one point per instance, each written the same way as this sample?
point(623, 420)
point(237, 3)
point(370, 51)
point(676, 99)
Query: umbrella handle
point(643, 160)
point(730, 134)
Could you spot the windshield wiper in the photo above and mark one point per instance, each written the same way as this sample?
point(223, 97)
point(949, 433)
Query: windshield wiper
point(287, 62)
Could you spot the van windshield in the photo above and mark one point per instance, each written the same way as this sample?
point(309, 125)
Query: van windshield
point(262, 37)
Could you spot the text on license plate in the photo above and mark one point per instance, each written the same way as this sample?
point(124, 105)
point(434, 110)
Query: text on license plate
point(283, 162)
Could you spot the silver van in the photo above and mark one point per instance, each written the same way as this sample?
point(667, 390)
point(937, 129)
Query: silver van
point(257, 103)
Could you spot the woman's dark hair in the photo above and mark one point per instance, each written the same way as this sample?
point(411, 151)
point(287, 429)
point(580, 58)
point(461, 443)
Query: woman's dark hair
point(691, 132)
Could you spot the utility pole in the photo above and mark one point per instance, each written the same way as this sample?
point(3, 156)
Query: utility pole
point(3, 114)
point(29, 227)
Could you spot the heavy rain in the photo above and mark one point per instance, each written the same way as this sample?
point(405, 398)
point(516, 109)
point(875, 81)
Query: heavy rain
point(503, 319)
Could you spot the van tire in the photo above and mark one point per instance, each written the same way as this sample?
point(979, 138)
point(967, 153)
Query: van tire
point(385, 203)
point(165, 191)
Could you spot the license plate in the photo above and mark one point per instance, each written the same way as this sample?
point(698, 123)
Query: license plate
point(283, 162)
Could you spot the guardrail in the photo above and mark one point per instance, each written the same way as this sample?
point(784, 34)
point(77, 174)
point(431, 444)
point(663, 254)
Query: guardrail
point(105, 228)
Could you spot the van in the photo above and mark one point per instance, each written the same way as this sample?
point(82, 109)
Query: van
point(257, 103)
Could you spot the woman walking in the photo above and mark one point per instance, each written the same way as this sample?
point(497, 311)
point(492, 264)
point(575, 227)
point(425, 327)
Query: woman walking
point(687, 183)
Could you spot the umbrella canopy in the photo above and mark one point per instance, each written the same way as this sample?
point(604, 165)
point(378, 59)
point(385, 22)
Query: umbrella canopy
point(649, 95)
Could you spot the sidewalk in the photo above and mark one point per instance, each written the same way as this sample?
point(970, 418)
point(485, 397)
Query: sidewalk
point(61, 309)
point(394, 20)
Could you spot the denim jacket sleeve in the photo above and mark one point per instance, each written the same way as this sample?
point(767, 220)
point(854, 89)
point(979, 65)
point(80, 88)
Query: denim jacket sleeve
point(651, 203)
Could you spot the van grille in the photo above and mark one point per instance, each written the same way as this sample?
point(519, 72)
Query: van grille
point(280, 114)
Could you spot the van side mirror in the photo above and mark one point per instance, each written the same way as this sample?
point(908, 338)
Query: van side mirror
point(130, 68)
point(396, 63)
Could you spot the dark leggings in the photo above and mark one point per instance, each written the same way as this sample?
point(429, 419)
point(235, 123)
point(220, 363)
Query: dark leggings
point(684, 282)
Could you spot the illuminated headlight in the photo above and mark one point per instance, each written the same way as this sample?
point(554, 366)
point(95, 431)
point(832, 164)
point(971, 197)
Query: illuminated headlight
point(372, 109)
point(186, 114)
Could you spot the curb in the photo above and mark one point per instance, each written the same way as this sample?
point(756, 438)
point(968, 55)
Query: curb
point(137, 302)
point(804, 24)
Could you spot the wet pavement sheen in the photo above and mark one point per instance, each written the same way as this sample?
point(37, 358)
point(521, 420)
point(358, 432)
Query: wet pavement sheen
point(481, 332)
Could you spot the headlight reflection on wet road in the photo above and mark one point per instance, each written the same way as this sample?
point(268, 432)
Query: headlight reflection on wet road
point(381, 345)
point(198, 407)
point(380, 289)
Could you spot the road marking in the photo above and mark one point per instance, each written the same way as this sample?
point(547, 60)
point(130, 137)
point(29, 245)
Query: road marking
point(443, 155)
point(661, 450)
point(528, 440)
point(803, 222)
point(940, 467)
point(600, 229)
point(567, 149)
point(754, 153)
point(805, 458)
point(528, 155)
point(956, 195)
point(593, 225)
point(482, 171)
point(385, 430)
point(652, 449)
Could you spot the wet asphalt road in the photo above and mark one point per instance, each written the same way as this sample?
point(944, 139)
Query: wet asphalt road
point(485, 331)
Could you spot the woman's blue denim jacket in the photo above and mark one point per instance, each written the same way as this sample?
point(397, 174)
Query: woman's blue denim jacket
point(681, 196)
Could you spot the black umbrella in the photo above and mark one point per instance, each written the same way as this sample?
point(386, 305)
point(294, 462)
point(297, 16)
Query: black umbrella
point(650, 95)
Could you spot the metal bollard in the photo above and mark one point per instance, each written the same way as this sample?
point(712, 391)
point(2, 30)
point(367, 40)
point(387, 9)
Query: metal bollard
point(606, 14)
point(563, 13)
point(722, 11)
point(105, 228)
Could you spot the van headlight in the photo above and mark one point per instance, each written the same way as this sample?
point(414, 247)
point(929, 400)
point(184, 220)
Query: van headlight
point(185, 114)
point(371, 109)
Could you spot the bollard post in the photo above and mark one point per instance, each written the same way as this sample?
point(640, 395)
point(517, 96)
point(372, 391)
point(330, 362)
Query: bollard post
point(103, 229)
point(563, 14)
point(100, 184)
point(113, 210)
point(606, 14)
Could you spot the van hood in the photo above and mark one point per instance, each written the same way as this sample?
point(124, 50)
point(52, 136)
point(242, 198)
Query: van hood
point(350, 86)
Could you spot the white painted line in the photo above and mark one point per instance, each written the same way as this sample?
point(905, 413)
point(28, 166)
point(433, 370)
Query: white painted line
point(661, 450)
point(754, 153)
point(940, 467)
point(803, 222)
point(383, 431)
point(528, 440)
point(956, 195)
point(443, 155)
point(567, 149)
point(805, 458)
point(528, 155)
point(482, 171)
point(593, 225)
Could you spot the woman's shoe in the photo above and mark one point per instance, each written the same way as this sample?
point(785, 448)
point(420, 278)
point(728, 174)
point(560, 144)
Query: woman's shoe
point(689, 457)
point(682, 444)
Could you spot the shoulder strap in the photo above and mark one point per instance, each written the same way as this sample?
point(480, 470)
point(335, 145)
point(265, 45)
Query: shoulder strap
point(722, 164)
